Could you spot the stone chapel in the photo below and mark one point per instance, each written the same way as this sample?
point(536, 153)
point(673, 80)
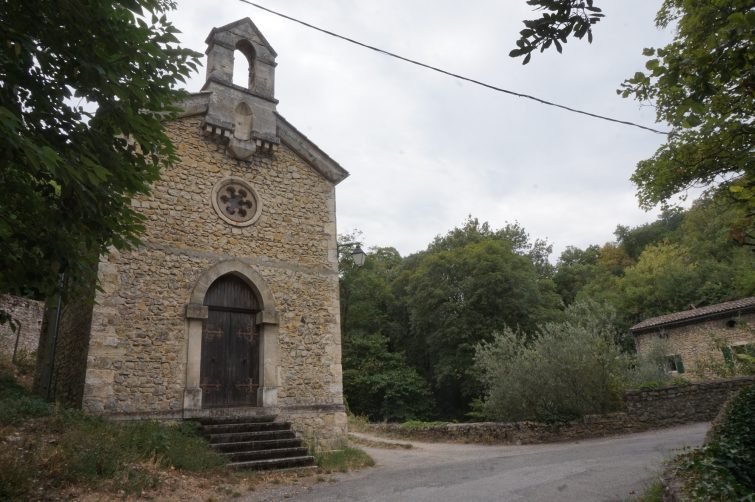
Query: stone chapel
point(229, 307)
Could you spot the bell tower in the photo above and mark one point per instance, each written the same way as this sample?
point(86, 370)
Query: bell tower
point(243, 117)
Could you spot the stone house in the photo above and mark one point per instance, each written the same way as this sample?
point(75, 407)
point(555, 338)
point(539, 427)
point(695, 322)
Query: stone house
point(700, 336)
point(229, 307)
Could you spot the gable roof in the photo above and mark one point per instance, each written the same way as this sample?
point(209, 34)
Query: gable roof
point(695, 314)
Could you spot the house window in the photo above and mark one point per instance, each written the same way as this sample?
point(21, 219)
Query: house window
point(674, 364)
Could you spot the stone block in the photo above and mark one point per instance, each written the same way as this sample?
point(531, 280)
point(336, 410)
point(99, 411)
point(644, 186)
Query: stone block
point(196, 311)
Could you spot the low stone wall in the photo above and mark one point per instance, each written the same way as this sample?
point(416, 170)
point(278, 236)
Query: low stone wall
point(697, 402)
point(645, 409)
point(28, 314)
point(511, 432)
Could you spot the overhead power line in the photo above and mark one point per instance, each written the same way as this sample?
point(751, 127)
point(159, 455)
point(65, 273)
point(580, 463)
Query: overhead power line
point(451, 74)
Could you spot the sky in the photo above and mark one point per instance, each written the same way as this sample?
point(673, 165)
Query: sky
point(425, 150)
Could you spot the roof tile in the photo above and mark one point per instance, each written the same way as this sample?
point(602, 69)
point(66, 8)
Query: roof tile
point(691, 314)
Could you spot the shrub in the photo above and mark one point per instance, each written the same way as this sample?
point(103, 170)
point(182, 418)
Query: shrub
point(724, 469)
point(648, 371)
point(569, 369)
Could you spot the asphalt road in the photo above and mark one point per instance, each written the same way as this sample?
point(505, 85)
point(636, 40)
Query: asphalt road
point(610, 469)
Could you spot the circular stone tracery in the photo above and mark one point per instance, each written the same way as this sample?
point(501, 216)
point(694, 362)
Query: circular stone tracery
point(236, 202)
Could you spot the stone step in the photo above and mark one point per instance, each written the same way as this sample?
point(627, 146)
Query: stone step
point(269, 444)
point(243, 456)
point(256, 442)
point(275, 463)
point(237, 437)
point(245, 427)
point(234, 420)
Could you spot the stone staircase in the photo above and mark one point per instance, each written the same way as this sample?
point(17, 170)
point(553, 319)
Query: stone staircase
point(257, 442)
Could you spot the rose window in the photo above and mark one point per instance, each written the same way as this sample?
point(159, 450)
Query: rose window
point(236, 202)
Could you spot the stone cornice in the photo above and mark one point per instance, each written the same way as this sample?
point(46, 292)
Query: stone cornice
point(193, 253)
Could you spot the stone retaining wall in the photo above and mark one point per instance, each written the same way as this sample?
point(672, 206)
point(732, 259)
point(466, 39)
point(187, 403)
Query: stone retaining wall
point(698, 402)
point(28, 314)
point(645, 409)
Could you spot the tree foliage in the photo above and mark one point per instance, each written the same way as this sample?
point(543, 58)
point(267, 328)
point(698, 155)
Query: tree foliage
point(417, 319)
point(458, 298)
point(84, 85)
point(561, 19)
point(684, 258)
point(703, 85)
point(412, 325)
point(378, 382)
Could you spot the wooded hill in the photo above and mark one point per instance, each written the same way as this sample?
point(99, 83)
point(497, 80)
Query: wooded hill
point(411, 325)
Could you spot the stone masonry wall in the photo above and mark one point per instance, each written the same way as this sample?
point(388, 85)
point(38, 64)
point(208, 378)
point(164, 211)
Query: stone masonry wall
point(28, 313)
point(138, 349)
point(701, 342)
point(646, 409)
point(697, 402)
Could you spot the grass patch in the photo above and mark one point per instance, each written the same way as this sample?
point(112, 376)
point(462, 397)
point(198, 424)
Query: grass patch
point(91, 448)
point(17, 405)
point(16, 402)
point(344, 460)
point(654, 493)
point(359, 423)
point(48, 447)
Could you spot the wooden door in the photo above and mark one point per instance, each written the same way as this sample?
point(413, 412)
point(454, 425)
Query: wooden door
point(229, 374)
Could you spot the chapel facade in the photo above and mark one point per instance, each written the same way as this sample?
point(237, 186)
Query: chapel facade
point(229, 307)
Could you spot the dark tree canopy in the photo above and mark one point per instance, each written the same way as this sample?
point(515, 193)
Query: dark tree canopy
point(410, 325)
point(84, 85)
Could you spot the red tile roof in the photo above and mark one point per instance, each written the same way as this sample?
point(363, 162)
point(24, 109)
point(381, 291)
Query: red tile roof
point(691, 315)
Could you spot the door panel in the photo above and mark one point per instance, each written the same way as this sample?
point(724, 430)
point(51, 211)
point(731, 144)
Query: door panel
point(229, 374)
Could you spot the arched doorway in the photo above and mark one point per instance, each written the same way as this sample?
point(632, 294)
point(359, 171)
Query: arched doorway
point(229, 370)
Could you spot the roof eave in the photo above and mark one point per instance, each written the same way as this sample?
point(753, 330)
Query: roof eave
point(690, 320)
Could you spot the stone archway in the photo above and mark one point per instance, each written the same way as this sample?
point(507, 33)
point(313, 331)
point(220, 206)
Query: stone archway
point(266, 320)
